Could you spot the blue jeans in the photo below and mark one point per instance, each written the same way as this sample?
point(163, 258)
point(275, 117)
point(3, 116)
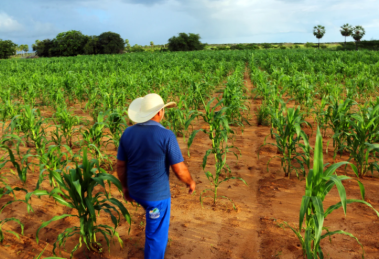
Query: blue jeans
point(157, 224)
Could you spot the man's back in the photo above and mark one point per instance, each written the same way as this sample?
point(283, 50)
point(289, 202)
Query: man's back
point(149, 149)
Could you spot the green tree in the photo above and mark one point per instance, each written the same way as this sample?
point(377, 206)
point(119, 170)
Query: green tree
point(319, 32)
point(358, 33)
point(110, 43)
point(7, 48)
point(34, 45)
point(44, 48)
point(185, 42)
point(151, 44)
point(346, 31)
point(25, 47)
point(92, 45)
point(127, 45)
point(70, 43)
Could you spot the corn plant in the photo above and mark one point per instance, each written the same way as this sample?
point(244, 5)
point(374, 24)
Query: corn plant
point(338, 115)
point(6, 191)
point(22, 163)
point(263, 114)
point(30, 123)
point(218, 134)
point(93, 136)
point(321, 115)
point(51, 161)
point(288, 134)
point(233, 98)
point(77, 191)
point(116, 123)
point(66, 121)
point(2, 222)
point(39, 256)
point(9, 108)
point(319, 182)
point(364, 128)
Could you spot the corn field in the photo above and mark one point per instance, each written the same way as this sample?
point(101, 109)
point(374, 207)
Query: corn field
point(62, 119)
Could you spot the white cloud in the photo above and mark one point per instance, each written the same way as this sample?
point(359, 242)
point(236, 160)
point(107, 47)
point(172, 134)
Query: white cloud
point(8, 24)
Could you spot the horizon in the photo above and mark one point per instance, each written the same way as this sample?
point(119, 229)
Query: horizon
point(216, 21)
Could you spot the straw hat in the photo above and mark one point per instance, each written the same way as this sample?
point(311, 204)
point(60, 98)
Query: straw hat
point(144, 108)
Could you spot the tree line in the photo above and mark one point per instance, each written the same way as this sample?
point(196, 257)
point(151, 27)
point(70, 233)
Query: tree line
point(73, 43)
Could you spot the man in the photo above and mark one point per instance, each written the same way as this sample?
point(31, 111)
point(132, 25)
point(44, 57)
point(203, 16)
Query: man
point(145, 154)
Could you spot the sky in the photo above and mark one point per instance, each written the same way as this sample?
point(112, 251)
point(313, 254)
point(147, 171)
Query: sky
point(217, 21)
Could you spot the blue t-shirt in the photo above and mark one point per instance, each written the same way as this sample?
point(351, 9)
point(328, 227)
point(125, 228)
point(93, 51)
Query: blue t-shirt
point(149, 150)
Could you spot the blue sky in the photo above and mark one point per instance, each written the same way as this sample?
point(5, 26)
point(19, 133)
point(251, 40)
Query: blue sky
point(217, 21)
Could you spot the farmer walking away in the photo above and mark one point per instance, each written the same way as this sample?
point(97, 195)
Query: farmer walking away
point(145, 154)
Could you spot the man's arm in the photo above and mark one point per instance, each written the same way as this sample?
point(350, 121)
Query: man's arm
point(181, 171)
point(121, 173)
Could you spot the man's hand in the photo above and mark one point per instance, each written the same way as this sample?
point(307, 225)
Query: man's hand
point(191, 187)
point(181, 171)
point(127, 197)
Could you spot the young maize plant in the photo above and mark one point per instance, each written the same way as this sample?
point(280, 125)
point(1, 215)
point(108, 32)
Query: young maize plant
point(39, 256)
point(319, 182)
point(338, 117)
point(66, 122)
point(320, 112)
point(2, 222)
point(9, 108)
point(288, 134)
point(233, 98)
point(30, 123)
point(364, 128)
point(51, 161)
point(218, 134)
point(93, 138)
point(77, 191)
point(116, 122)
point(263, 114)
point(7, 190)
point(275, 107)
point(22, 164)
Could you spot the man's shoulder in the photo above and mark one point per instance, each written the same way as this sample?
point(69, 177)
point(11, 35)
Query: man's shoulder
point(151, 128)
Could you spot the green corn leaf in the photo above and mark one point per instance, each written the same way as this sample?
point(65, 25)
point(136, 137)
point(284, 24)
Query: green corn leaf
point(303, 209)
point(348, 201)
point(343, 233)
point(44, 224)
point(341, 191)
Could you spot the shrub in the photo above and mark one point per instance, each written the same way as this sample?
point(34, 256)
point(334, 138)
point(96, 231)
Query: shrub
point(324, 46)
point(185, 42)
point(282, 47)
point(266, 45)
point(137, 48)
point(309, 45)
point(297, 47)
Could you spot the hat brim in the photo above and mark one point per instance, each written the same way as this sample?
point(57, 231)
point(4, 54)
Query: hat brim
point(135, 114)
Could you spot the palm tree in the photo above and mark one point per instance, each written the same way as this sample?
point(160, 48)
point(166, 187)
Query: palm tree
point(358, 33)
point(346, 31)
point(319, 32)
point(151, 44)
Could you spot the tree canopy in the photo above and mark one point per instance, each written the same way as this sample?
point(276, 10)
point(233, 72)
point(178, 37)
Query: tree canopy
point(319, 32)
point(111, 43)
point(7, 48)
point(70, 43)
point(185, 42)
